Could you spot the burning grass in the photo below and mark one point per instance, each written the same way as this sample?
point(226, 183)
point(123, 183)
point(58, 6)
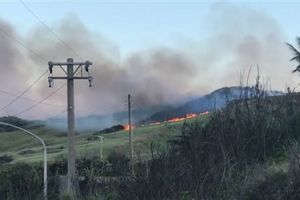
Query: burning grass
point(181, 119)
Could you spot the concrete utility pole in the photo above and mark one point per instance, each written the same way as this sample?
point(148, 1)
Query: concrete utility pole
point(70, 76)
point(130, 134)
point(45, 152)
point(101, 147)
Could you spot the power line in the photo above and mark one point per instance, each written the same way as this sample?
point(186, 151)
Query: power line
point(41, 101)
point(44, 99)
point(7, 34)
point(22, 44)
point(49, 29)
point(29, 99)
point(20, 95)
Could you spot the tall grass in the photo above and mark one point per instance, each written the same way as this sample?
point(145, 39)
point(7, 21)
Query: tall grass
point(211, 161)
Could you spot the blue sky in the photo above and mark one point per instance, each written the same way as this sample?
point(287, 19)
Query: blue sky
point(132, 25)
point(136, 25)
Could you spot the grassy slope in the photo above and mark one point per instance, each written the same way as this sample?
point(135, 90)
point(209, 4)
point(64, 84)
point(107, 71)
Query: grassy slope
point(14, 143)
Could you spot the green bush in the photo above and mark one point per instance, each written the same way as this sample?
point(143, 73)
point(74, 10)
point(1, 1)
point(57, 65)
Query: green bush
point(278, 185)
point(20, 181)
point(119, 164)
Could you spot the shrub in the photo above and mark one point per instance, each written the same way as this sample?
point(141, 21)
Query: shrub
point(20, 181)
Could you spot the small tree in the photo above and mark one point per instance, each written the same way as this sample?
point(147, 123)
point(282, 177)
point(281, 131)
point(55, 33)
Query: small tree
point(296, 54)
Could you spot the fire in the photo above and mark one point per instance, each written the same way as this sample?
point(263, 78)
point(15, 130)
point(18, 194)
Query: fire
point(204, 113)
point(191, 115)
point(126, 127)
point(178, 119)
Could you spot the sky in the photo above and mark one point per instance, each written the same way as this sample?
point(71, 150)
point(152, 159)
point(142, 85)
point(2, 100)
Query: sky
point(160, 51)
point(136, 25)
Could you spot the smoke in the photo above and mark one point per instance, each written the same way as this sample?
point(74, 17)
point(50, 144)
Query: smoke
point(14, 73)
point(240, 38)
point(10, 57)
point(236, 38)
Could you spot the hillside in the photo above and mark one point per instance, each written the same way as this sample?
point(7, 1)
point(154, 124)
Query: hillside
point(209, 102)
point(24, 148)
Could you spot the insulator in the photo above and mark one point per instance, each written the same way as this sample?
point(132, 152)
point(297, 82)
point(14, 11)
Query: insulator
point(50, 66)
point(50, 81)
point(90, 81)
point(86, 66)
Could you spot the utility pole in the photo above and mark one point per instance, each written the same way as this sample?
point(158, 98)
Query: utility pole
point(70, 76)
point(101, 151)
point(130, 134)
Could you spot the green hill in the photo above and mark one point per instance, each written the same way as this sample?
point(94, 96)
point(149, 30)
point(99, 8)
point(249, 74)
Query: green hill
point(25, 148)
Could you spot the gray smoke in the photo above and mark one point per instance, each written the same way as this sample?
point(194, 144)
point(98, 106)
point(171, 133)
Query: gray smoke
point(238, 38)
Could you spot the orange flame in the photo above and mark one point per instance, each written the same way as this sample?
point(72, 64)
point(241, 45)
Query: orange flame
point(126, 127)
point(191, 115)
point(204, 113)
point(178, 119)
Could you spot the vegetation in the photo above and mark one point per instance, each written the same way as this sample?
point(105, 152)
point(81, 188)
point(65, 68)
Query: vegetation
point(296, 53)
point(231, 157)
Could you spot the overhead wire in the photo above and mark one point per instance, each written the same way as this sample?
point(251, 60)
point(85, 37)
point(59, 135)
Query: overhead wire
point(41, 101)
point(39, 56)
point(29, 99)
point(22, 93)
point(49, 29)
point(44, 99)
point(4, 32)
point(15, 39)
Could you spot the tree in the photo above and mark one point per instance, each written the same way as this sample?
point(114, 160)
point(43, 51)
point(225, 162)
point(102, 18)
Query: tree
point(296, 54)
